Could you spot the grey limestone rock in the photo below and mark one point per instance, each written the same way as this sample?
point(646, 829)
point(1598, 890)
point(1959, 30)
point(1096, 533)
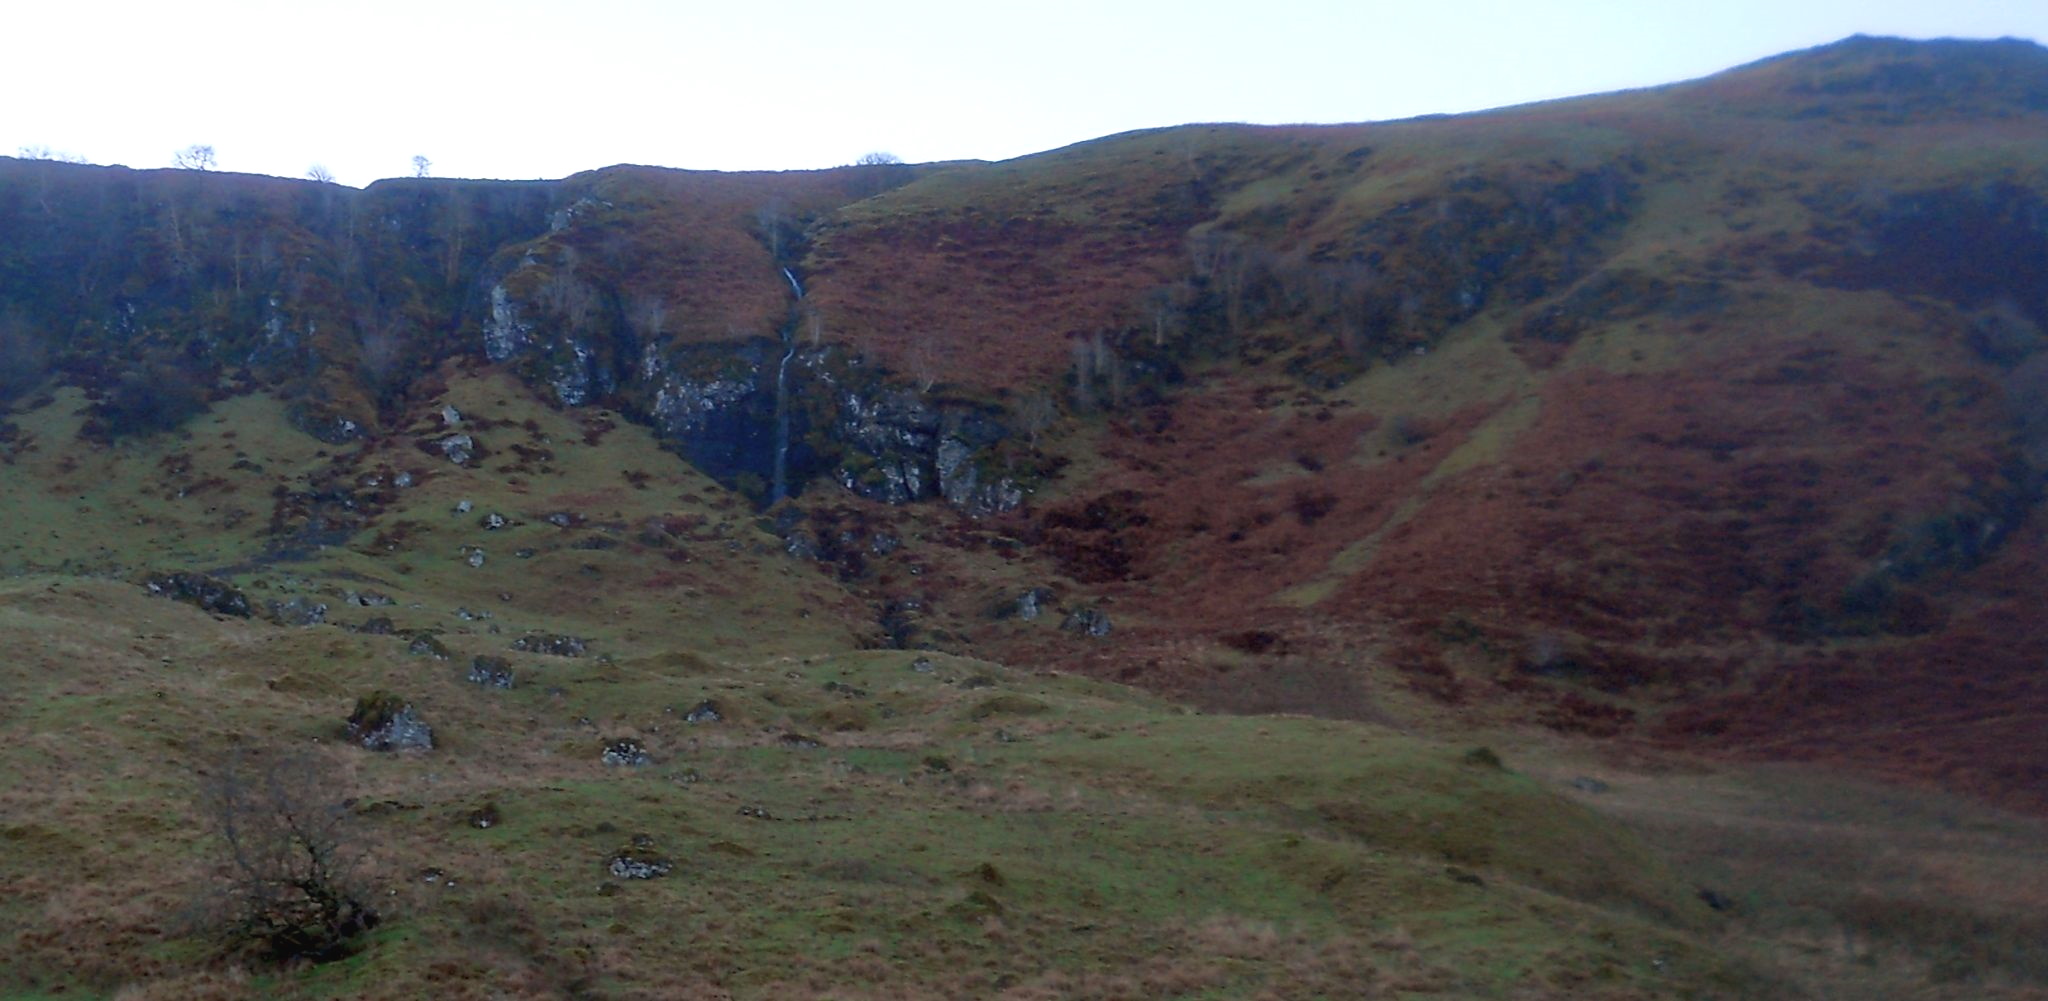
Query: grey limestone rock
point(1087, 621)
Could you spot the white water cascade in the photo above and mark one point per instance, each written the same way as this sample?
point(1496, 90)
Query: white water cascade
point(779, 488)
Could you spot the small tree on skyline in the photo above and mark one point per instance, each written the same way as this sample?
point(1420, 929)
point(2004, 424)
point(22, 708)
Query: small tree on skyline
point(198, 156)
point(421, 166)
point(320, 173)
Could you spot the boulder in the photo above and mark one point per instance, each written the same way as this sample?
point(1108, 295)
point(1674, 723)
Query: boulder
point(459, 448)
point(197, 589)
point(1031, 604)
point(1087, 621)
point(427, 645)
point(625, 752)
point(554, 645)
point(639, 859)
point(384, 722)
point(491, 672)
point(298, 611)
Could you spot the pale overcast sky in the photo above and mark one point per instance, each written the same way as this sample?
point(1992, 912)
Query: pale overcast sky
point(523, 88)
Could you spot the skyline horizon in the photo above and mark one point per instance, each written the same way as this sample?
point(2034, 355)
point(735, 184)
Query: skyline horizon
point(236, 148)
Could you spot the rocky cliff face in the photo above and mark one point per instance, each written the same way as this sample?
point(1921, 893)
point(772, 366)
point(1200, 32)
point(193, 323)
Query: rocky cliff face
point(1658, 392)
point(343, 298)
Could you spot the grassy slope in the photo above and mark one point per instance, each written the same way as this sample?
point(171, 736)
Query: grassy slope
point(866, 876)
point(1727, 439)
point(1484, 497)
point(973, 829)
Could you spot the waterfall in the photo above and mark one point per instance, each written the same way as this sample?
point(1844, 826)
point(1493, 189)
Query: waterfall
point(779, 488)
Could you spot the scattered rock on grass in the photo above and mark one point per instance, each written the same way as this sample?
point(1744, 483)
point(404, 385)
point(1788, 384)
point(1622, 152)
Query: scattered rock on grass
point(384, 722)
point(459, 448)
point(207, 593)
point(552, 644)
point(427, 645)
point(299, 611)
point(1087, 621)
point(491, 672)
point(703, 712)
point(485, 816)
point(625, 752)
point(1031, 604)
point(639, 859)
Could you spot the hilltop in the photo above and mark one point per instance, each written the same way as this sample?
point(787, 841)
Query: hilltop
point(1122, 552)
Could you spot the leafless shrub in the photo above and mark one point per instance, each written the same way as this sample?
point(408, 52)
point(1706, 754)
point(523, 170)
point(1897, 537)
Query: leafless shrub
point(1036, 414)
point(24, 358)
point(195, 157)
point(287, 884)
point(2026, 393)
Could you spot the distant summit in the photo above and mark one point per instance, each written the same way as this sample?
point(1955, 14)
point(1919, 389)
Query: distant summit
point(1871, 78)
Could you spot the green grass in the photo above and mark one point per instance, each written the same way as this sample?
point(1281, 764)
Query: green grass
point(1077, 841)
point(983, 828)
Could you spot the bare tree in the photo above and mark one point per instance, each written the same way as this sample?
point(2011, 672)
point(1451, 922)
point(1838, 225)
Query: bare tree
point(648, 315)
point(1166, 310)
point(876, 172)
point(320, 173)
point(23, 356)
point(194, 157)
point(421, 166)
point(1036, 413)
point(382, 354)
point(1097, 369)
point(773, 218)
point(2026, 393)
point(570, 298)
point(288, 857)
point(456, 221)
point(926, 359)
point(1229, 263)
point(1084, 374)
point(46, 153)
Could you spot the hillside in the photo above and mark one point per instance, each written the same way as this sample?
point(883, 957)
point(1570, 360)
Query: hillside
point(1107, 565)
